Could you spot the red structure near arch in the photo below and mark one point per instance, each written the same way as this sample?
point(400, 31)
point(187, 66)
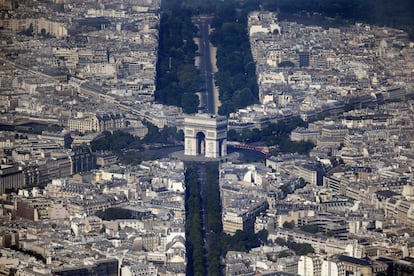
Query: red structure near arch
point(238, 145)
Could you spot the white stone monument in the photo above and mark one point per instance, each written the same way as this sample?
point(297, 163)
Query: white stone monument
point(205, 135)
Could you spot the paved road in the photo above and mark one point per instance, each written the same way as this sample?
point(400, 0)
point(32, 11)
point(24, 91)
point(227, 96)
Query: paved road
point(203, 186)
point(204, 214)
point(206, 68)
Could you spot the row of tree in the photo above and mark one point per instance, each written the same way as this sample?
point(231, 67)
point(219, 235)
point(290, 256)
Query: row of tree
point(214, 227)
point(114, 213)
point(300, 249)
point(32, 253)
point(394, 13)
point(177, 77)
point(119, 140)
point(217, 242)
point(236, 77)
point(176, 81)
point(276, 135)
point(220, 243)
point(125, 145)
point(193, 223)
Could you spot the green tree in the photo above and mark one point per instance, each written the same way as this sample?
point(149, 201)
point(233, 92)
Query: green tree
point(233, 135)
point(289, 225)
point(280, 241)
point(310, 228)
point(114, 213)
point(283, 254)
point(287, 188)
point(188, 77)
point(236, 76)
point(190, 103)
point(300, 249)
point(286, 63)
point(177, 76)
point(241, 96)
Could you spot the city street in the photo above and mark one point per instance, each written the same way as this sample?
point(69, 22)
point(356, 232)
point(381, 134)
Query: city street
point(206, 67)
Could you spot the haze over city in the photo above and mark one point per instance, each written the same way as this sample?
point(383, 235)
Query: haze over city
point(206, 137)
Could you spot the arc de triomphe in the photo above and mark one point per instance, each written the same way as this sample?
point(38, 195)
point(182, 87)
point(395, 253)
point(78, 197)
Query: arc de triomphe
point(205, 135)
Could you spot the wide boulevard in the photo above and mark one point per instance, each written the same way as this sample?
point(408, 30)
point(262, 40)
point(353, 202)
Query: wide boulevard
point(206, 68)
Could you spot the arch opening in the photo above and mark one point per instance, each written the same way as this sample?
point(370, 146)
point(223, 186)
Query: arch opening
point(201, 143)
point(220, 149)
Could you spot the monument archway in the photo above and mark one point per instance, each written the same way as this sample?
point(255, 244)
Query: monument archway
point(205, 135)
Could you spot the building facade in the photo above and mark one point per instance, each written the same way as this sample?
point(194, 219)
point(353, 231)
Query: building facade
point(11, 177)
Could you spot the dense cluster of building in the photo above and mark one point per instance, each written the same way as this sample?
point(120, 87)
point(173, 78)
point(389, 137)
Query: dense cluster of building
point(57, 223)
point(351, 199)
point(310, 70)
point(90, 67)
point(87, 66)
point(110, 46)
